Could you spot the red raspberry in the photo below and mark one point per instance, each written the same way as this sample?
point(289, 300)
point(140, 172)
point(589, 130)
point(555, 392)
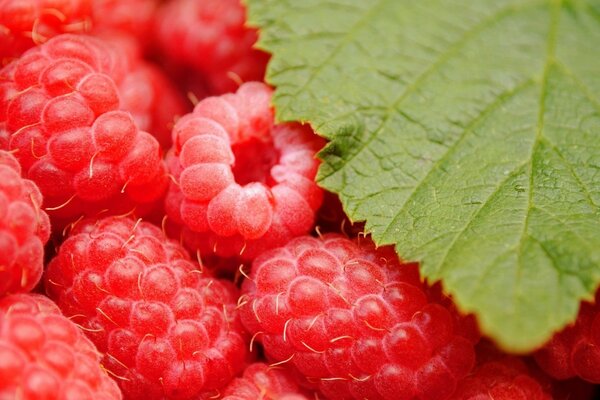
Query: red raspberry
point(167, 330)
point(575, 351)
point(210, 35)
point(132, 17)
point(353, 320)
point(501, 377)
point(24, 229)
point(24, 24)
point(153, 101)
point(263, 382)
point(43, 355)
point(244, 184)
point(505, 379)
point(59, 112)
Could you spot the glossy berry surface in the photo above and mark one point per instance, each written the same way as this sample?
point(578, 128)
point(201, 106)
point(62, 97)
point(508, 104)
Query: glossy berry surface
point(24, 229)
point(243, 184)
point(260, 381)
point(44, 355)
point(59, 113)
point(166, 330)
point(211, 37)
point(575, 351)
point(504, 378)
point(355, 321)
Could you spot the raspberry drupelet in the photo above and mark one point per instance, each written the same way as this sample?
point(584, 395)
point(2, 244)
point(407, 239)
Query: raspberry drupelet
point(211, 37)
point(243, 184)
point(24, 229)
point(575, 351)
point(260, 381)
point(59, 113)
point(44, 355)
point(355, 321)
point(166, 329)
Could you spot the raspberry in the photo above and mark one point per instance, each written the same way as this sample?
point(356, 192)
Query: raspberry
point(24, 229)
point(166, 330)
point(59, 112)
point(132, 17)
point(23, 24)
point(152, 100)
point(575, 351)
point(43, 355)
point(505, 379)
point(354, 321)
point(501, 377)
point(210, 36)
point(244, 185)
point(262, 382)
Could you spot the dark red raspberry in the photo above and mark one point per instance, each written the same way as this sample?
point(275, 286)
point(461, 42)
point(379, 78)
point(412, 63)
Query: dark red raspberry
point(499, 376)
point(263, 382)
point(332, 218)
point(167, 331)
point(59, 112)
point(355, 321)
point(211, 36)
point(575, 389)
point(575, 351)
point(43, 355)
point(24, 24)
point(244, 185)
point(24, 229)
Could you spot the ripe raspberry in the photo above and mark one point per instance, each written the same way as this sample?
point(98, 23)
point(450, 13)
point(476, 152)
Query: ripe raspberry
point(353, 320)
point(152, 100)
point(167, 330)
point(24, 229)
point(59, 112)
point(244, 184)
point(501, 377)
point(43, 355)
point(575, 351)
point(262, 382)
point(210, 36)
point(24, 24)
point(134, 18)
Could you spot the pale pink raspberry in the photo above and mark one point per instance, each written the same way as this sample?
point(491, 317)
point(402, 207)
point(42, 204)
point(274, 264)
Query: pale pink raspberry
point(244, 184)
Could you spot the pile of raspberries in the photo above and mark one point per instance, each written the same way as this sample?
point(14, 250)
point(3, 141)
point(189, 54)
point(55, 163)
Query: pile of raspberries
point(162, 237)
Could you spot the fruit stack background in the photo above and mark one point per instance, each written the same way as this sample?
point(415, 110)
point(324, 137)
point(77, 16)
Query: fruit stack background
point(162, 237)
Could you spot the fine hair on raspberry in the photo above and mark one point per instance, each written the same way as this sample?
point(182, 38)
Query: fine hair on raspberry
point(60, 114)
point(355, 322)
point(166, 329)
point(24, 229)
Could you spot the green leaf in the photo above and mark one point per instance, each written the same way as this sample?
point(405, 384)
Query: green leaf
point(467, 133)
